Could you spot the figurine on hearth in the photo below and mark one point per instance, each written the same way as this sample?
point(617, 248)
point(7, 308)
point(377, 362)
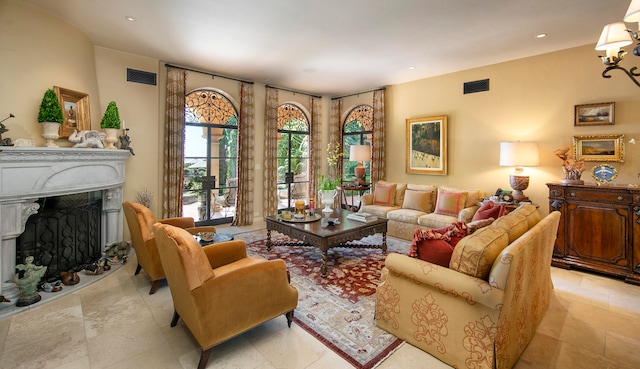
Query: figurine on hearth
point(27, 280)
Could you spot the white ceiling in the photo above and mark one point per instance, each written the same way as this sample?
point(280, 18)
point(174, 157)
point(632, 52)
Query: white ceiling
point(336, 47)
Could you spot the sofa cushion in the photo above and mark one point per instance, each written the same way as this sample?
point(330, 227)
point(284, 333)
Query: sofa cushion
point(405, 215)
point(384, 194)
point(475, 254)
point(436, 251)
point(514, 223)
point(435, 220)
point(489, 210)
point(450, 202)
point(433, 190)
point(436, 245)
point(378, 210)
point(530, 212)
point(473, 196)
point(417, 200)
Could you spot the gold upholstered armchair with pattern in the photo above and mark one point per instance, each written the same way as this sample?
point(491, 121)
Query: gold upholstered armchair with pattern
point(218, 291)
point(140, 221)
point(481, 311)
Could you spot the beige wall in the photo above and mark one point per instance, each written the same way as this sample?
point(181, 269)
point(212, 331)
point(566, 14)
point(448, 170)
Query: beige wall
point(40, 51)
point(529, 99)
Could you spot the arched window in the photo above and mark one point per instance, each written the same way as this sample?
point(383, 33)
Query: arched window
point(293, 155)
point(357, 129)
point(210, 157)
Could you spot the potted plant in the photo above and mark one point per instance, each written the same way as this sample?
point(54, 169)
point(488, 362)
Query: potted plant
point(111, 124)
point(326, 185)
point(50, 116)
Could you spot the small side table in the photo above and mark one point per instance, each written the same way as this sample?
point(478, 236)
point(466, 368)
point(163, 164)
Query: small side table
point(360, 189)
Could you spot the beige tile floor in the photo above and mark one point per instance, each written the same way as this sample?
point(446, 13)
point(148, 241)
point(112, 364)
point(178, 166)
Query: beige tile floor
point(592, 322)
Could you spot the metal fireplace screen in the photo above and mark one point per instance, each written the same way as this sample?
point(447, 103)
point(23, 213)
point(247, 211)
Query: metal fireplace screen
point(64, 235)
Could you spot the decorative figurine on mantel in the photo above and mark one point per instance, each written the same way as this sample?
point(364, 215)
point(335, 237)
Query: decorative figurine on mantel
point(571, 167)
point(28, 284)
point(125, 141)
point(3, 129)
point(91, 138)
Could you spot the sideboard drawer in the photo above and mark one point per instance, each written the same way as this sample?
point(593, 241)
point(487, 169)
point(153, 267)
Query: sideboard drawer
point(608, 197)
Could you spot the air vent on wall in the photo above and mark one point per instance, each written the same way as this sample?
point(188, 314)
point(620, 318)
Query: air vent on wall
point(140, 76)
point(476, 86)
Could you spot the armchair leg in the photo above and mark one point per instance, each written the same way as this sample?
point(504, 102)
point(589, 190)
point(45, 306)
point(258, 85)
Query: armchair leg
point(204, 358)
point(289, 316)
point(174, 320)
point(154, 287)
point(137, 270)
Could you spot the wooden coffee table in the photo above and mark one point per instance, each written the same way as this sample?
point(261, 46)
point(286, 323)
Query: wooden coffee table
point(312, 234)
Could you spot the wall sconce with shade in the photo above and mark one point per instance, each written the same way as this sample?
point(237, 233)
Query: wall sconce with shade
point(519, 154)
point(614, 37)
point(360, 153)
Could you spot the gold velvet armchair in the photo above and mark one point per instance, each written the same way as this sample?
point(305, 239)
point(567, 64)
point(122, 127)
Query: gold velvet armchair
point(218, 291)
point(140, 221)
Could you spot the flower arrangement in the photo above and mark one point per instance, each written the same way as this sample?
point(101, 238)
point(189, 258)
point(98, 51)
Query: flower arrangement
point(333, 155)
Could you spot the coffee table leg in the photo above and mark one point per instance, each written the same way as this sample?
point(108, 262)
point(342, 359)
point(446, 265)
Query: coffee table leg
point(268, 240)
point(323, 268)
point(384, 242)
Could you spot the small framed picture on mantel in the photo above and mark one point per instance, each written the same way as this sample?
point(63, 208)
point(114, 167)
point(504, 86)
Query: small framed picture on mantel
point(600, 114)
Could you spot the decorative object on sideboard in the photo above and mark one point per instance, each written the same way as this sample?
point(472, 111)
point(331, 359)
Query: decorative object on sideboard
point(519, 154)
point(75, 108)
point(111, 124)
point(427, 145)
point(360, 153)
point(50, 117)
point(604, 173)
point(599, 147)
point(616, 36)
point(3, 129)
point(594, 114)
point(91, 138)
point(125, 140)
point(571, 167)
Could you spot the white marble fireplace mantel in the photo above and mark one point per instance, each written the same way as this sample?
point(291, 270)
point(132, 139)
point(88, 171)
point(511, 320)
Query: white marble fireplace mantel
point(29, 173)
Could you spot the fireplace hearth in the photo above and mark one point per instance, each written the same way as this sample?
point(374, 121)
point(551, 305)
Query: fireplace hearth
point(30, 177)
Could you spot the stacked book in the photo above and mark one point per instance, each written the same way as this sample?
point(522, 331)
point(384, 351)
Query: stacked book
point(362, 217)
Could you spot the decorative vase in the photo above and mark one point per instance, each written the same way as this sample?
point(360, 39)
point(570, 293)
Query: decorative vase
point(50, 133)
point(326, 198)
point(112, 137)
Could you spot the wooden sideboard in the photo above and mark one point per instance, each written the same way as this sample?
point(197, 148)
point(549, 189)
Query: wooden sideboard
point(599, 229)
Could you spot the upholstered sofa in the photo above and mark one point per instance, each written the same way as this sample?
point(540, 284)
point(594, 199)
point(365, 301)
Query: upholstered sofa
point(481, 311)
point(409, 206)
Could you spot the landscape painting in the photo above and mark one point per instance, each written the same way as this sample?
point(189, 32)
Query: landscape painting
point(427, 145)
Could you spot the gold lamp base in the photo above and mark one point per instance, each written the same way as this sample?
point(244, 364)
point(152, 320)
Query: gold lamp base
point(359, 171)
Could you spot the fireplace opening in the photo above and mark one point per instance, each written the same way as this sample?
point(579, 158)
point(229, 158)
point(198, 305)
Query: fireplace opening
point(64, 235)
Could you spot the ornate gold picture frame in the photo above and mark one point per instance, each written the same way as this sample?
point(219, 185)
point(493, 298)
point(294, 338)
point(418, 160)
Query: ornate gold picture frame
point(599, 148)
point(75, 108)
point(594, 114)
point(427, 145)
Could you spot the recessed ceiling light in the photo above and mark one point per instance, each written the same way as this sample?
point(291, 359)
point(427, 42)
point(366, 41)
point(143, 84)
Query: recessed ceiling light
point(412, 67)
point(129, 18)
point(541, 35)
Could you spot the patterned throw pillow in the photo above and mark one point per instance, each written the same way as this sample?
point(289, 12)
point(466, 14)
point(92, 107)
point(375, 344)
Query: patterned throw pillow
point(436, 245)
point(383, 194)
point(417, 200)
point(450, 203)
point(475, 254)
point(489, 210)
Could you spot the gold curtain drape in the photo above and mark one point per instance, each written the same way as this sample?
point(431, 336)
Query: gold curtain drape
point(316, 143)
point(335, 136)
point(378, 166)
point(246, 153)
point(173, 164)
point(270, 181)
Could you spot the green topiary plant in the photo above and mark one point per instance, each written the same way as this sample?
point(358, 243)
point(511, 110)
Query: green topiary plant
point(111, 118)
point(50, 110)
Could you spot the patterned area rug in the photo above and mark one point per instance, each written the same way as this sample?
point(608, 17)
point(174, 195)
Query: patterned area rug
point(337, 310)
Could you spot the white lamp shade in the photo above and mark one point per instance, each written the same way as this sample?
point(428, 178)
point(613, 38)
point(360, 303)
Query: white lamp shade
point(613, 37)
point(519, 154)
point(633, 13)
point(360, 153)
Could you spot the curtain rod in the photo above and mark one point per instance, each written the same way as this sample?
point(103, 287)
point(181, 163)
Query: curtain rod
point(294, 91)
point(358, 93)
point(209, 73)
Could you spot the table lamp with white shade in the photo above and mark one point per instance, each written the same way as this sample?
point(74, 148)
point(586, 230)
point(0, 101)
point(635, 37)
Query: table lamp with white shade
point(519, 154)
point(360, 153)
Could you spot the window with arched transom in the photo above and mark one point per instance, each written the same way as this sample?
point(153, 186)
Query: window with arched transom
point(293, 155)
point(357, 129)
point(210, 157)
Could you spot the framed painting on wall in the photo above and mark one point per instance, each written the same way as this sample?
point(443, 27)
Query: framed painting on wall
point(599, 148)
point(594, 114)
point(75, 108)
point(427, 145)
